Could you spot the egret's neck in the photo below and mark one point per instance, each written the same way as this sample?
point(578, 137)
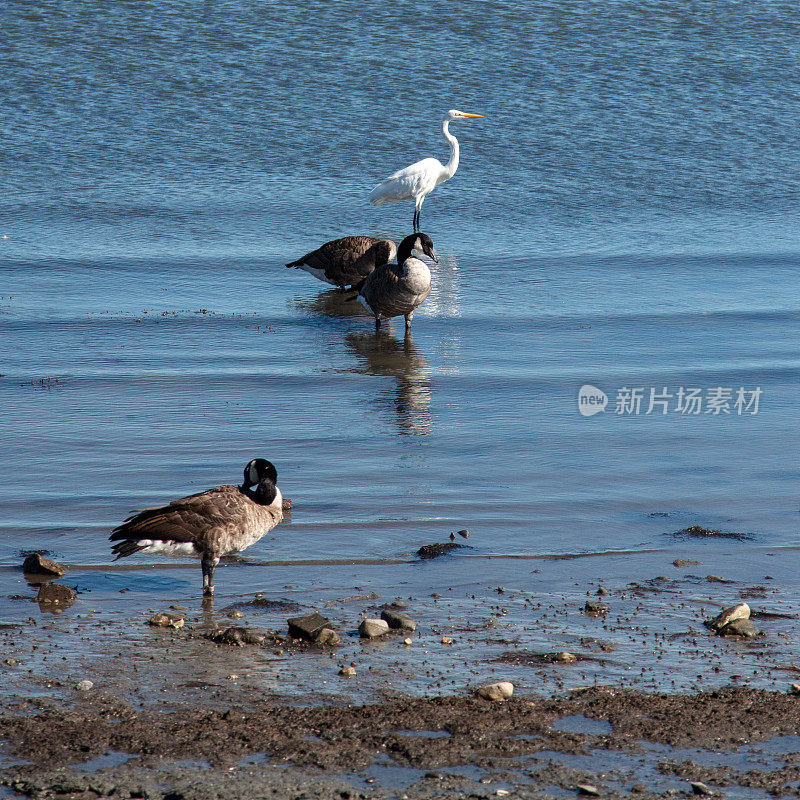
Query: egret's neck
point(452, 165)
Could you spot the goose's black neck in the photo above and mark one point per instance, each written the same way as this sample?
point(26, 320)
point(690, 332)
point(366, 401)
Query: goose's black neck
point(264, 493)
point(405, 248)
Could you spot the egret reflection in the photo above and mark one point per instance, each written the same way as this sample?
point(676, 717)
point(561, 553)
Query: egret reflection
point(383, 355)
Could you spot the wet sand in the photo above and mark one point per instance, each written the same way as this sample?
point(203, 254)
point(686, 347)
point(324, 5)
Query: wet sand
point(653, 701)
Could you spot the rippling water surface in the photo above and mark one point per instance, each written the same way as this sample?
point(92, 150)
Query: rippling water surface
point(625, 216)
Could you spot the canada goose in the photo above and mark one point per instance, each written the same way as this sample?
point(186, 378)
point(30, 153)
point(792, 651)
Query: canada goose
point(214, 523)
point(395, 290)
point(346, 262)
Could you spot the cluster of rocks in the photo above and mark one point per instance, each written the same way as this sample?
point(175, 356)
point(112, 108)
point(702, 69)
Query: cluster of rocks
point(40, 570)
point(734, 621)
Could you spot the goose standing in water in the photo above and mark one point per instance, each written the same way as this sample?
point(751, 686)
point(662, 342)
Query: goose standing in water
point(418, 180)
point(346, 262)
point(208, 525)
point(395, 290)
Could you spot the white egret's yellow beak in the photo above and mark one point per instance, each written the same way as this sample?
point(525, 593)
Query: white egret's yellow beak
point(472, 116)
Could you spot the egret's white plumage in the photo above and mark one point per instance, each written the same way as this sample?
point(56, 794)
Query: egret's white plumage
point(420, 179)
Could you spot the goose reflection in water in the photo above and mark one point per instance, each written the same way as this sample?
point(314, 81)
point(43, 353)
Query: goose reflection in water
point(383, 355)
point(332, 303)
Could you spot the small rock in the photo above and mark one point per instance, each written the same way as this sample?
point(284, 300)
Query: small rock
point(235, 614)
point(238, 637)
point(601, 590)
point(55, 593)
point(700, 788)
point(587, 790)
point(307, 627)
point(566, 658)
point(447, 640)
point(232, 677)
point(740, 627)
point(728, 615)
point(496, 691)
point(408, 641)
point(464, 532)
point(36, 564)
point(398, 603)
point(595, 607)
point(84, 686)
point(286, 504)
point(327, 637)
point(793, 689)
point(685, 562)
point(10, 662)
point(166, 620)
point(502, 793)
point(348, 672)
point(373, 628)
point(398, 620)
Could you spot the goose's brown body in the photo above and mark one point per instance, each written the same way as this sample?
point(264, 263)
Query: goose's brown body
point(208, 525)
point(347, 261)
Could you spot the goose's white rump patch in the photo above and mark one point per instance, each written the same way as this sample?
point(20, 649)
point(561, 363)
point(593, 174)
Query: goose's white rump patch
point(167, 548)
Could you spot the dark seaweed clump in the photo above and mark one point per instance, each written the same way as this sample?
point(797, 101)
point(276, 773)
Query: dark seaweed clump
point(697, 531)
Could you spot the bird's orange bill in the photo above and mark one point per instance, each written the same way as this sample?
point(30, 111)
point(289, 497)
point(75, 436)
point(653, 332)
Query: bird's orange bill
point(474, 116)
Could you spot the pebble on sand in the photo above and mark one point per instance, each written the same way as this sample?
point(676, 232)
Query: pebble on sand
point(408, 641)
point(37, 564)
point(700, 788)
point(794, 688)
point(587, 790)
point(166, 620)
point(496, 691)
point(595, 607)
point(238, 636)
point(728, 615)
point(348, 672)
point(84, 686)
point(373, 628)
point(447, 640)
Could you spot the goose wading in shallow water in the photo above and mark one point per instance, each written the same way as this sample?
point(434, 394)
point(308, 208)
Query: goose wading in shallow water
point(208, 525)
point(418, 180)
point(346, 262)
point(396, 290)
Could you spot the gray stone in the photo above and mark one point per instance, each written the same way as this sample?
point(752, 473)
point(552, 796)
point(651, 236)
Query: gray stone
point(307, 627)
point(700, 788)
point(728, 615)
point(740, 627)
point(398, 620)
point(84, 686)
point(373, 628)
point(595, 607)
point(587, 790)
point(348, 672)
point(496, 691)
point(328, 637)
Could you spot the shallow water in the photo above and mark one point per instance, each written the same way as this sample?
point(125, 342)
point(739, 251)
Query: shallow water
point(624, 217)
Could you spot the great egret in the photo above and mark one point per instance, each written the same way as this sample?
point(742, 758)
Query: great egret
point(208, 525)
point(419, 180)
point(347, 261)
point(395, 290)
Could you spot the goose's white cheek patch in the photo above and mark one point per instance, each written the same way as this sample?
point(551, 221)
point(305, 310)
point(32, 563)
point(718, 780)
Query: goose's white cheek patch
point(159, 546)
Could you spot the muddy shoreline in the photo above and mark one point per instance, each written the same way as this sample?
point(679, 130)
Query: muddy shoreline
point(325, 751)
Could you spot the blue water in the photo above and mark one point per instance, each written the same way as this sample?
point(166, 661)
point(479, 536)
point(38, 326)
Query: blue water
point(626, 215)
